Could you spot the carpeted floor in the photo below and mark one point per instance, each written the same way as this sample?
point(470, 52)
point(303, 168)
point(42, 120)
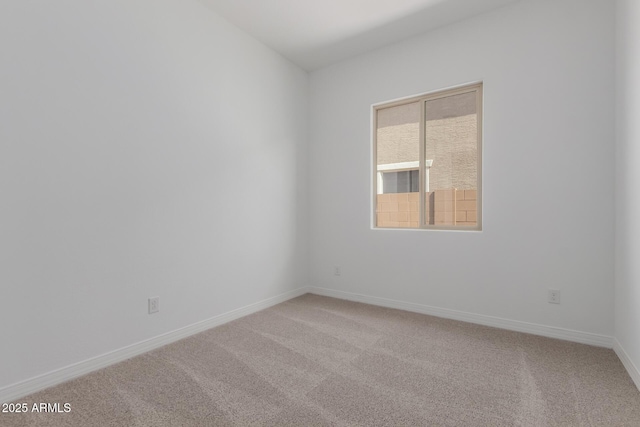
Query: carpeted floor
point(315, 361)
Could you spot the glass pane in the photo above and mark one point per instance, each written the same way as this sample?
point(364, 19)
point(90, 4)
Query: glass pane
point(451, 160)
point(397, 153)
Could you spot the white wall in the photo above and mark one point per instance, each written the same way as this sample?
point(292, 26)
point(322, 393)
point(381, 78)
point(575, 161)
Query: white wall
point(627, 247)
point(147, 148)
point(548, 72)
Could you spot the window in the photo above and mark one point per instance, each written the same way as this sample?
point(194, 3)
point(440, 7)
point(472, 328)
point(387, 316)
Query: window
point(398, 178)
point(427, 161)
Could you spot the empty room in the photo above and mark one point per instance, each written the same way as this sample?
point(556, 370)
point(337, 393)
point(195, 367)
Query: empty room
point(340, 213)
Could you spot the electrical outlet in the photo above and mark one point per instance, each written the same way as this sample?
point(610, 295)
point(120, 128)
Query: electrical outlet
point(554, 296)
point(154, 305)
point(337, 270)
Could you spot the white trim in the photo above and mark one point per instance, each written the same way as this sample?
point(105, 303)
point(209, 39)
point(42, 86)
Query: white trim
point(32, 385)
point(631, 368)
point(480, 319)
point(23, 388)
point(427, 168)
point(398, 166)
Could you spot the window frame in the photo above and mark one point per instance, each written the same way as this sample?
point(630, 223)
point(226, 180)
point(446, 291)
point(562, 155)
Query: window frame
point(423, 99)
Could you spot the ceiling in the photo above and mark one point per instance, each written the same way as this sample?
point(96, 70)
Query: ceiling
point(315, 33)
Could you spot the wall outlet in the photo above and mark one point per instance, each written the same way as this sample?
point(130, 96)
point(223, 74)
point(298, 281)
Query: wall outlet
point(554, 296)
point(337, 270)
point(154, 305)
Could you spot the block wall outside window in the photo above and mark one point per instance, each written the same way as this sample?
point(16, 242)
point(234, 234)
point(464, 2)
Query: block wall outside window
point(400, 210)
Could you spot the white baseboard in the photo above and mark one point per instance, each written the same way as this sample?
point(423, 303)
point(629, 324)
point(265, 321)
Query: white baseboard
point(631, 368)
point(23, 388)
point(496, 322)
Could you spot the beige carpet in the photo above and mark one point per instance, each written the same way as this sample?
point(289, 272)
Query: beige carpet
point(316, 361)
